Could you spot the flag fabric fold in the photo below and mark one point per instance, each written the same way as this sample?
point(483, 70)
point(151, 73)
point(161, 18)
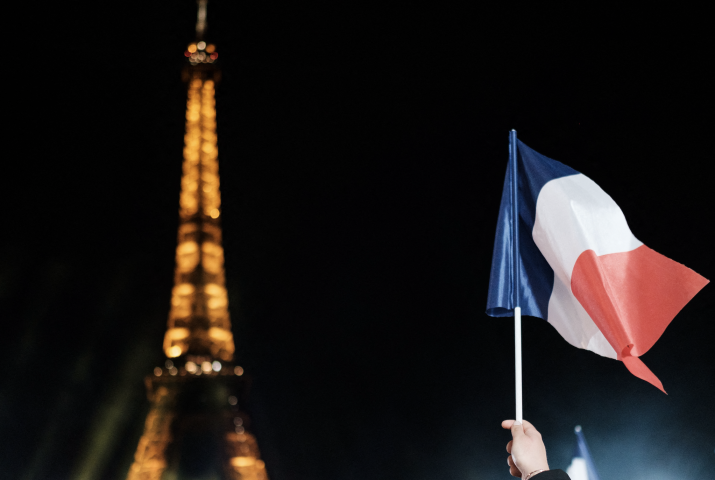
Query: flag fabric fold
point(581, 268)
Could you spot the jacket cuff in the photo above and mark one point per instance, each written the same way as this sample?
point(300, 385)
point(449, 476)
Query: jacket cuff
point(551, 475)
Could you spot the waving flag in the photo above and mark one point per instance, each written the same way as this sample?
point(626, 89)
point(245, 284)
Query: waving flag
point(582, 467)
point(580, 267)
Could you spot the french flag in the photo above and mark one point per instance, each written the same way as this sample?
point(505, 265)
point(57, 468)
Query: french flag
point(580, 268)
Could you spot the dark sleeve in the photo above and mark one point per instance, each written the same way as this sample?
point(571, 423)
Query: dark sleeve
point(551, 475)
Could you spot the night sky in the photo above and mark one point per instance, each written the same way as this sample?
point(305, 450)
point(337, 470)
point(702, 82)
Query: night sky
point(362, 152)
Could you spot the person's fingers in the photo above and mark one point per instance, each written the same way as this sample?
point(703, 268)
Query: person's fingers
point(506, 424)
point(508, 446)
point(513, 470)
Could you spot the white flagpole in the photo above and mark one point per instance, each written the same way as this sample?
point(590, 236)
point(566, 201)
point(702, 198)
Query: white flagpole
point(517, 363)
point(515, 277)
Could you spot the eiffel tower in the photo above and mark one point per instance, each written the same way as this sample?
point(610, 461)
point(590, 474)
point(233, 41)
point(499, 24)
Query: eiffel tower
point(196, 427)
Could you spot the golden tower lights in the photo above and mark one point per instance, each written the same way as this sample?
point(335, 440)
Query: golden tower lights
point(196, 424)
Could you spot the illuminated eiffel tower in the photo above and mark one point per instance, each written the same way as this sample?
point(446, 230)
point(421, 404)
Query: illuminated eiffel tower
point(196, 427)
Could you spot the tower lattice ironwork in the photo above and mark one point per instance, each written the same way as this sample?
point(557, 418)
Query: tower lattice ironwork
point(196, 426)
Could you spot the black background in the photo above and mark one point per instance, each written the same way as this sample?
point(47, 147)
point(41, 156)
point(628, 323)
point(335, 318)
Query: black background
point(362, 154)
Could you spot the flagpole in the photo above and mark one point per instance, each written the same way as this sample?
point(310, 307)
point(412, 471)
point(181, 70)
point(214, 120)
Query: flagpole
point(515, 277)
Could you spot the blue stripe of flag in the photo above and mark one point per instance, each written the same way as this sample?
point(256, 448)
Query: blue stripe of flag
point(536, 276)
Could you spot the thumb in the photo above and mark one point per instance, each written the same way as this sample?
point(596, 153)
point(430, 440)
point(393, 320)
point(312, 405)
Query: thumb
point(517, 430)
